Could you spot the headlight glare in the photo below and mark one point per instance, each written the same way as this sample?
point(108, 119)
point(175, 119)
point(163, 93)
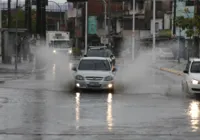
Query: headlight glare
point(70, 51)
point(79, 77)
point(108, 78)
point(195, 82)
point(54, 51)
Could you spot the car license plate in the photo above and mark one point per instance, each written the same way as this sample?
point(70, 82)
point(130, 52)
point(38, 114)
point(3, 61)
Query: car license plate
point(94, 84)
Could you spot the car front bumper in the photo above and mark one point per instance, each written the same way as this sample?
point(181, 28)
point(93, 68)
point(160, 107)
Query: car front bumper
point(99, 85)
point(194, 88)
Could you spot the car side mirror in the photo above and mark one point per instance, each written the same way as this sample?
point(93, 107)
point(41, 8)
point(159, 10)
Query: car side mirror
point(185, 71)
point(74, 69)
point(111, 56)
point(114, 70)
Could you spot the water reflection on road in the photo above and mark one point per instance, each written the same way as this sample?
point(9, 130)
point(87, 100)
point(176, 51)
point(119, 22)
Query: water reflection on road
point(109, 112)
point(194, 114)
point(77, 109)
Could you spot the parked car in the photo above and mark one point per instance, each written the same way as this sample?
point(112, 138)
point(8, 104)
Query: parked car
point(191, 80)
point(94, 73)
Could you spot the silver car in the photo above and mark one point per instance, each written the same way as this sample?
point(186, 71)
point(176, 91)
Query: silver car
point(94, 73)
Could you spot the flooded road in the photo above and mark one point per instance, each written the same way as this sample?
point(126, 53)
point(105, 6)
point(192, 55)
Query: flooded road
point(43, 108)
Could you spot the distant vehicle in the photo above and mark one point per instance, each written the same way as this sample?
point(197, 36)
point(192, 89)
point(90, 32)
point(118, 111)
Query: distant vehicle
point(164, 53)
point(94, 73)
point(102, 52)
point(191, 81)
point(59, 42)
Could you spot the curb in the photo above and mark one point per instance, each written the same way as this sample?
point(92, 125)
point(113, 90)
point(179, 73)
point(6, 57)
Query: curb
point(2, 81)
point(27, 73)
point(176, 72)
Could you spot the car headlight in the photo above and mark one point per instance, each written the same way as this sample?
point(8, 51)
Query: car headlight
point(54, 51)
point(195, 82)
point(108, 78)
point(79, 77)
point(70, 51)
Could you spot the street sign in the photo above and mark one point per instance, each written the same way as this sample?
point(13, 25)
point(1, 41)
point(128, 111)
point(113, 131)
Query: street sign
point(104, 40)
point(92, 25)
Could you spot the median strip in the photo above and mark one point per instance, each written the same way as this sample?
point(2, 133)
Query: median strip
point(176, 72)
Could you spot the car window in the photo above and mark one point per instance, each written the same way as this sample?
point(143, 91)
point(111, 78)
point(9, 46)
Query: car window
point(96, 53)
point(101, 65)
point(195, 67)
point(99, 53)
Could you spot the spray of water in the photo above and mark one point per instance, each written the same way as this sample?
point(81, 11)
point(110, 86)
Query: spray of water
point(58, 66)
point(140, 75)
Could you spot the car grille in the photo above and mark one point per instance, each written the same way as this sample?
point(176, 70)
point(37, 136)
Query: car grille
point(94, 78)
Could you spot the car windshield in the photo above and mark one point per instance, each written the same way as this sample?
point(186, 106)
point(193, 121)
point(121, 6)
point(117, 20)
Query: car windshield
point(195, 68)
point(99, 53)
point(59, 44)
point(98, 65)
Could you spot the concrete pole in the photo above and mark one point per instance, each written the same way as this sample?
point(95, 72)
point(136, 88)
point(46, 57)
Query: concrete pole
point(105, 19)
point(16, 36)
point(86, 26)
point(154, 31)
point(179, 37)
point(133, 32)
point(76, 25)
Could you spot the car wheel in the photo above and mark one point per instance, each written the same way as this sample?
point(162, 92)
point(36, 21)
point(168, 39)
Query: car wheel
point(186, 91)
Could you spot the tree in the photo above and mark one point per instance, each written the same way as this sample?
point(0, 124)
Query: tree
point(186, 24)
point(21, 17)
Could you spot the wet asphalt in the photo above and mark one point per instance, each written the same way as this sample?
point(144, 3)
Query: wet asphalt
point(43, 107)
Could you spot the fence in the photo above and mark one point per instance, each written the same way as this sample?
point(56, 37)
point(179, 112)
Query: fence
point(50, 8)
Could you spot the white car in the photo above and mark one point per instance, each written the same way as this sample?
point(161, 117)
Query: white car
point(191, 81)
point(94, 73)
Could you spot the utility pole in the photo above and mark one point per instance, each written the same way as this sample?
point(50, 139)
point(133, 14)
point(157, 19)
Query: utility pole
point(26, 13)
point(9, 13)
point(109, 22)
point(38, 17)
point(133, 32)
point(43, 20)
point(154, 30)
point(86, 26)
point(174, 18)
point(76, 26)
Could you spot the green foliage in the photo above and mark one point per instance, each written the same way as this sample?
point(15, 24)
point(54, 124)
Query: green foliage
point(76, 51)
point(21, 20)
point(165, 33)
point(189, 24)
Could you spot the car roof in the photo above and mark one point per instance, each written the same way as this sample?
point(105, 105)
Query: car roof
point(97, 47)
point(92, 58)
point(195, 59)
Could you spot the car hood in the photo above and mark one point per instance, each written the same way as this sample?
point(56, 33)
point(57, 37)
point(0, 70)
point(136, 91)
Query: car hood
point(95, 73)
point(195, 76)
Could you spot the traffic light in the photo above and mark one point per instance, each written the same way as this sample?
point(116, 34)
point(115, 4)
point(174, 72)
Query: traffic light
point(77, 0)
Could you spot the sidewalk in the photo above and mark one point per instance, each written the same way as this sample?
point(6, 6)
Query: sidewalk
point(7, 71)
point(174, 67)
point(23, 67)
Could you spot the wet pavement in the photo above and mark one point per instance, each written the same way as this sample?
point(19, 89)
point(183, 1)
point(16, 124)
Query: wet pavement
point(42, 107)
